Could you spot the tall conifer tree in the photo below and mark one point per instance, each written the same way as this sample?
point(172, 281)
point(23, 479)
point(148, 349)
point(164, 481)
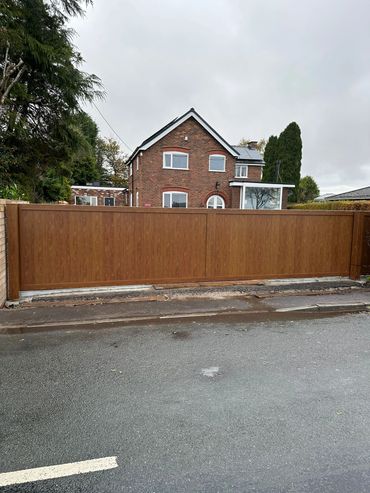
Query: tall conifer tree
point(290, 157)
point(271, 157)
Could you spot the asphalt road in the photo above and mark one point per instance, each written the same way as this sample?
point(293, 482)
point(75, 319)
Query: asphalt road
point(286, 411)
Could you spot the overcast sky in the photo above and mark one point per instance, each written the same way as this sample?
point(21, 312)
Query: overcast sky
point(249, 67)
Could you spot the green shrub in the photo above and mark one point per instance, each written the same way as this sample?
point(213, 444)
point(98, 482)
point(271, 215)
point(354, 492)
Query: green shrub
point(13, 192)
point(335, 205)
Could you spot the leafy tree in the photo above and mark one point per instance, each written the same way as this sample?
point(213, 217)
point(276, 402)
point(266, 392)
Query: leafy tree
point(111, 162)
point(70, 7)
point(308, 189)
point(271, 158)
point(84, 167)
point(11, 73)
point(53, 186)
point(290, 157)
point(39, 115)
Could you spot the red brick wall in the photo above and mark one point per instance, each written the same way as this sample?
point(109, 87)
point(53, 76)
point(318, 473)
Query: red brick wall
point(120, 196)
point(284, 203)
point(254, 173)
point(151, 180)
point(235, 197)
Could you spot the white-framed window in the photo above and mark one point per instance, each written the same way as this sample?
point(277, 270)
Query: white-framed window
point(215, 202)
point(175, 160)
point(241, 171)
point(130, 168)
point(109, 201)
point(130, 199)
point(175, 199)
point(260, 197)
point(137, 163)
point(217, 162)
point(86, 200)
point(137, 199)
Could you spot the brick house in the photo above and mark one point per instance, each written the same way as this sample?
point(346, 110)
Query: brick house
point(188, 164)
point(98, 195)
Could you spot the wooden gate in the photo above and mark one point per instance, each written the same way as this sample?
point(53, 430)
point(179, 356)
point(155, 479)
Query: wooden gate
point(365, 268)
point(52, 246)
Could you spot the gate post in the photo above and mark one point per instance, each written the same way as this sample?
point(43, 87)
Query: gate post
point(12, 234)
point(357, 245)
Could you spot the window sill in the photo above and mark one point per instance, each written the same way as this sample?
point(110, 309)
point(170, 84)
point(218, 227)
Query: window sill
point(176, 169)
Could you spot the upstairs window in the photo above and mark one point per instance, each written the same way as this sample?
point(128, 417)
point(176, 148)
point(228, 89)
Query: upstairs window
point(175, 199)
point(241, 171)
point(175, 160)
point(217, 162)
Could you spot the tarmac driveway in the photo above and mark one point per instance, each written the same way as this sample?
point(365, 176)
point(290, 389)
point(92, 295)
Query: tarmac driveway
point(262, 407)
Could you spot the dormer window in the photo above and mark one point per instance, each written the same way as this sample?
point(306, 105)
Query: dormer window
point(175, 160)
point(217, 162)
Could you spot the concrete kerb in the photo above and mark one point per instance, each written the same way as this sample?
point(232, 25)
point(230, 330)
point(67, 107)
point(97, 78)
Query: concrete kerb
point(327, 307)
point(313, 311)
point(120, 308)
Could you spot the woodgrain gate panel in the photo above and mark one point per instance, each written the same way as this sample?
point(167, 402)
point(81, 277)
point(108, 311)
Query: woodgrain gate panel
point(63, 247)
point(52, 246)
point(267, 245)
point(365, 270)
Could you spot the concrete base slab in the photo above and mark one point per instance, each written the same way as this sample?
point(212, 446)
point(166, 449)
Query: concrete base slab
point(197, 288)
point(46, 293)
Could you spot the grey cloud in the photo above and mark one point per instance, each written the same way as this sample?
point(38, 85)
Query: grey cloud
point(249, 67)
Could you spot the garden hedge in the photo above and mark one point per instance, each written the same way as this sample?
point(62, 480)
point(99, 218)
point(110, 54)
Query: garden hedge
point(335, 205)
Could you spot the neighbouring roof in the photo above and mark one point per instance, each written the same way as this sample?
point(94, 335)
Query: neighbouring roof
point(359, 194)
point(323, 197)
point(247, 154)
point(233, 150)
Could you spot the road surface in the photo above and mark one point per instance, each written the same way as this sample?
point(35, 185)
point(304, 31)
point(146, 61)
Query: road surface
point(209, 407)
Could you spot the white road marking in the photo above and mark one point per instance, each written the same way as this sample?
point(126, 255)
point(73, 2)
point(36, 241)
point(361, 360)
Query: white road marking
point(210, 372)
point(57, 471)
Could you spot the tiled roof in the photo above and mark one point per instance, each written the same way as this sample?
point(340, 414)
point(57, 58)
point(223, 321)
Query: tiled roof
point(359, 194)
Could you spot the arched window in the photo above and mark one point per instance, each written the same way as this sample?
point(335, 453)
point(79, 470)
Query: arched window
point(215, 202)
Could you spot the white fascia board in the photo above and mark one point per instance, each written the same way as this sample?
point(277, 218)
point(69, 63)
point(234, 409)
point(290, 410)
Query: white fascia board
point(230, 149)
point(259, 185)
point(86, 187)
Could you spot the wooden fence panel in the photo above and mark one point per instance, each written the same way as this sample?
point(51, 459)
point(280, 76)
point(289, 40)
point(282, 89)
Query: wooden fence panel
point(268, 245)
point(54, 247)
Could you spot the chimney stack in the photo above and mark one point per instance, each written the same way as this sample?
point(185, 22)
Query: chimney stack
point(252, 144)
